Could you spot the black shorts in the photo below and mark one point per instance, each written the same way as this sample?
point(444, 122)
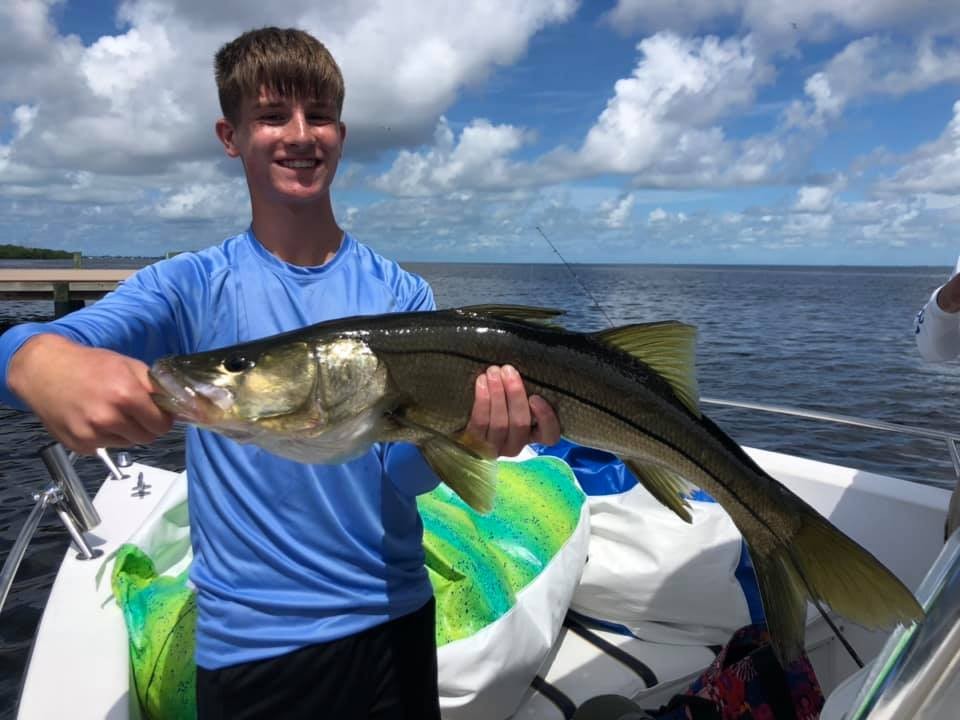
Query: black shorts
point(388, 672)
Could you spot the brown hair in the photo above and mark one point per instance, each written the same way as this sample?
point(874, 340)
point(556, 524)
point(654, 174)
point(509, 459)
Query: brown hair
point(287, 61)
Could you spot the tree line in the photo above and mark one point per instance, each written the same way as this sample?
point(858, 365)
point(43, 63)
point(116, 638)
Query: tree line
point(16, 252)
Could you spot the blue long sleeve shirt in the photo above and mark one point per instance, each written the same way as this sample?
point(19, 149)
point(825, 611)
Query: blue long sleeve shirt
point(285, 554)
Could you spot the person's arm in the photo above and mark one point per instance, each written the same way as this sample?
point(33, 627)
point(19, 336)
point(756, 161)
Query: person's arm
point(85, 375)
point(938, 323)
point(86, 397)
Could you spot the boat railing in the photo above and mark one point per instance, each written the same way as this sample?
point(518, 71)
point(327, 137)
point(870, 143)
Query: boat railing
point(950, 439)
point(70, 500)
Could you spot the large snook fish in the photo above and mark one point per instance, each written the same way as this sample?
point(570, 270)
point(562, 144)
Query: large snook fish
point(326, 392)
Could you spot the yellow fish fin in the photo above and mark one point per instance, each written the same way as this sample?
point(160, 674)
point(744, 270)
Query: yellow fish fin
point(521, 313)
point(669, 348)
point(472, 477)
point(665, 485)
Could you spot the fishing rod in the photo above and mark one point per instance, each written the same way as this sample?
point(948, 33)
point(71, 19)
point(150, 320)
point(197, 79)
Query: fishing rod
point(567, 265)
point(816, 602)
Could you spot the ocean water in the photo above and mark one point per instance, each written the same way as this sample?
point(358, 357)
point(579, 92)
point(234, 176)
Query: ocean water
point(832, 339)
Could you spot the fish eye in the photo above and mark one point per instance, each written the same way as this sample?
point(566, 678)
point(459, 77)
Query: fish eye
point(237, 362)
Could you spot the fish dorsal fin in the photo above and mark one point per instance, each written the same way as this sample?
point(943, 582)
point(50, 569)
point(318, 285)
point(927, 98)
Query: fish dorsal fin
point(522, 313)
point(668, 348)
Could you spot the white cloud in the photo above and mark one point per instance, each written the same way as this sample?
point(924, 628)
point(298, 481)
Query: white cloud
point(813, 199)
point(678, 89)
point(124, 125)
point(932, 168)
point(23, 117)
point(477, 160)
point(140, 100)
point(818, 198)
point(205, 201)
point(103, 141)
point(780, 24)
point(660, 126)
point(617, 213)
point(874, 66)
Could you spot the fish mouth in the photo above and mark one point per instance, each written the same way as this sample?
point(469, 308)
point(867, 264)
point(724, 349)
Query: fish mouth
point(178, 396)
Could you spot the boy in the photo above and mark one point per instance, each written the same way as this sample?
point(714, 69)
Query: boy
point(312, 596)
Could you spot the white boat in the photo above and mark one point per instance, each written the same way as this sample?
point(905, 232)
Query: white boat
point(79, 666)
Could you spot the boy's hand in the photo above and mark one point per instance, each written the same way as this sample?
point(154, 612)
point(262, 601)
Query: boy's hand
point(86, 397)
point(502, 414)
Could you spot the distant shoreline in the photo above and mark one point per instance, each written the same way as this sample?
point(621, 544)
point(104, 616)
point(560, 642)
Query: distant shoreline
point(18, 252)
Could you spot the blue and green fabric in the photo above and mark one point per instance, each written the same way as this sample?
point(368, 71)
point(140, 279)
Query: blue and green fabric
point(479, 566)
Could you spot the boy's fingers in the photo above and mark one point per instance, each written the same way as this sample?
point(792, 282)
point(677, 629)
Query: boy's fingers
point(499, 420)
point(546, 424)
point(480, 415)
point(144, 427)
point(518, 408)
point(150, 418)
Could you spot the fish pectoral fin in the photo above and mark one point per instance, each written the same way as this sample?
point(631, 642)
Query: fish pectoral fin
point(669, 348)
point(472, 477)
point(665, 485)
point(435, 561)
point(464, 443)
point(521, 313)
point(462, 463)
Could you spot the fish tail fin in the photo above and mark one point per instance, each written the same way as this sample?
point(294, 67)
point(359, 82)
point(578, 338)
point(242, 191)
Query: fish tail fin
point(823, 564)
point(469, 475)
point(784, 602)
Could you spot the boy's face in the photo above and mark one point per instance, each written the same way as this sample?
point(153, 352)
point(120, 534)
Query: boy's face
point(290, 148)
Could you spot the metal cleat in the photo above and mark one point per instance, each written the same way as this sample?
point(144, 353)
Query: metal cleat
point(141, 489)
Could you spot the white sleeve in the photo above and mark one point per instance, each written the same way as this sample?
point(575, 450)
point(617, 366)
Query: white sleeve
point(937, 331)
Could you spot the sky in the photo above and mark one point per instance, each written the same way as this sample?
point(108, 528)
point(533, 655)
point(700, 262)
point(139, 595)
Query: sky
point(652, 131)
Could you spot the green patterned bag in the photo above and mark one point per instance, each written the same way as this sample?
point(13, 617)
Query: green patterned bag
point(477, 564)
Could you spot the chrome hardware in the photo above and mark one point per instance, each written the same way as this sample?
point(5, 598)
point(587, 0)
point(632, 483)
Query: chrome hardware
point(141, 489)
point(23, 539)
point(72, 504)
point(123, 459)
point(950, 438)
point(953, 512)
point(114, 471)
point(66, 479)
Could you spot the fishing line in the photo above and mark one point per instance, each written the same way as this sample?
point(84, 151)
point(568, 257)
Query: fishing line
point(579, 282)
point(823, 612)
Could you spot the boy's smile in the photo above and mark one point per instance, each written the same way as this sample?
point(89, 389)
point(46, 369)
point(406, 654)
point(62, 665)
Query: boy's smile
point(290, 148)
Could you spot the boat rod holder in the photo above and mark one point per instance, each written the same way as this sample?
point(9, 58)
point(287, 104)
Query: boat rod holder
point(73, 505)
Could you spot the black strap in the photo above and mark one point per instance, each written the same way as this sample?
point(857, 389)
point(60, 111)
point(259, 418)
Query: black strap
point(645, 673)
point(563, 703)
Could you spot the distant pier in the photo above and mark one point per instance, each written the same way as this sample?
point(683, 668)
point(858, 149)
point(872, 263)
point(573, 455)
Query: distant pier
point(67, 287)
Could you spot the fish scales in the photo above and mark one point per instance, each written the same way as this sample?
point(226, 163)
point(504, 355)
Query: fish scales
point(603, 398)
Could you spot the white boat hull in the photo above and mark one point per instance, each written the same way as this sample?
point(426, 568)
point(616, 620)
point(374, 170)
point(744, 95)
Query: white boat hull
point(79, 666)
